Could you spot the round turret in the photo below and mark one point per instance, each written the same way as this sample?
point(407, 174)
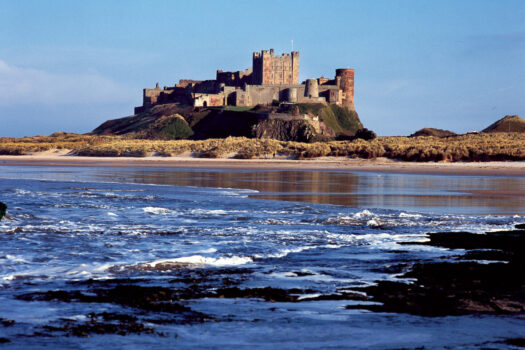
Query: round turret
point(345, 77)
point(312, 88)
point(291, 95)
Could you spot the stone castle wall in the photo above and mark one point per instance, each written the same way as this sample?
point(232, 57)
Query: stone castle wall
point(271, 78)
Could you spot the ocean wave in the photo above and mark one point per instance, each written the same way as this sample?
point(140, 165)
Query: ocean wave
point(284, 252)
point(375, 220)
point(182, 262)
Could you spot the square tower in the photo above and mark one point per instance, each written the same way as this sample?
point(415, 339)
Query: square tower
point(275, 70)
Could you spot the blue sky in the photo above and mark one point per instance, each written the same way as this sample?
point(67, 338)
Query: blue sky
point(70, 65)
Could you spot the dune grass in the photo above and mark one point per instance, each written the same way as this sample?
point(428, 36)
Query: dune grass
point(470, 147)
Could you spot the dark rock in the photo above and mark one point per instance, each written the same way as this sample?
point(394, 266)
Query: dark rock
point(155, 299)
point(100, 324)
point(451, 289)
point(60, 295)
point(4, 340)
point(3, 209)
point(510, 243)
point(6, 323)
point(456, 288)
point(365, 134)
point(519, 342)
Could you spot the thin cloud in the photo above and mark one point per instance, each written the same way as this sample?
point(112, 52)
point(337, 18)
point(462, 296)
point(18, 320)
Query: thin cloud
point(19, 86)
point(499, 43)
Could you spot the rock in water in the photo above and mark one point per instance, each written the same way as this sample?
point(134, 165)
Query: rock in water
point(3, 208)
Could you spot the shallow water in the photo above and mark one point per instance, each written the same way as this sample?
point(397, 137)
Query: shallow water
point(322, 232)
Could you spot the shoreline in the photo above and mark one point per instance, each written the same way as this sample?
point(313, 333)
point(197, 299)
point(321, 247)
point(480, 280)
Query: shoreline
point(381, 165)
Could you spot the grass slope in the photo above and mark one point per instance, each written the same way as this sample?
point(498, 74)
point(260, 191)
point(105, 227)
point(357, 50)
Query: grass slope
point(339, 119)
point(509, 123)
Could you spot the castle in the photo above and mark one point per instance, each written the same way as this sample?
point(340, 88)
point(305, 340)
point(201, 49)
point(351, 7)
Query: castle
point(271, 78)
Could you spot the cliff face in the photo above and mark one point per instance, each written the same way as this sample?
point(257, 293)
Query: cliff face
point(285, 130)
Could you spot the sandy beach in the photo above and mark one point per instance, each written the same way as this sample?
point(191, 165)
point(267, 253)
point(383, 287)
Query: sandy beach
point(382, 165)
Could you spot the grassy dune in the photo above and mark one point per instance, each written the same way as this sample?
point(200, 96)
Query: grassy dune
point(470, 147)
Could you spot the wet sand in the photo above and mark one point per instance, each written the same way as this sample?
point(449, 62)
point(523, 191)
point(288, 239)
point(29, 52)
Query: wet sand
point(381, 165)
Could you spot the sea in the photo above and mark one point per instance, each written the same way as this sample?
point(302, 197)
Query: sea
point(83, 229)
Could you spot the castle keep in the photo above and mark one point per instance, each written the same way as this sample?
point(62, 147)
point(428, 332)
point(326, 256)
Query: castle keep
point(271, 78)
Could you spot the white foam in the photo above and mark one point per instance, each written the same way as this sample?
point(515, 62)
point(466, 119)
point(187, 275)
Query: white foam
point(16, 258)
point(364, 213)
point(283, 253)
point(202, 260)
point(332, 246)
point(208, 212)
point(112, 214)
point(308, 296)
point(407, 215)
point(373, 222)
point(20, 191)
point(209, 250)
point(156, 210)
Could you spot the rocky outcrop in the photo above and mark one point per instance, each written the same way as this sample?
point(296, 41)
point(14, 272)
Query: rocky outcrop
point(467, 285)
point(285, 130)
point(433, 132)
point(289, 122)
point(3, 209)
point(509, 123)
